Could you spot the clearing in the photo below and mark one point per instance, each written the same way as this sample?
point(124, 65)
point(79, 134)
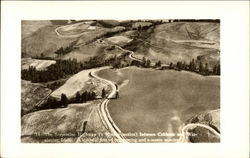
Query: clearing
point(74, 30)
point(119, 40)
point(80, 82)
point(38, 64)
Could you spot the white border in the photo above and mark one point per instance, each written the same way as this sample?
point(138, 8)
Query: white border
point(234, 81)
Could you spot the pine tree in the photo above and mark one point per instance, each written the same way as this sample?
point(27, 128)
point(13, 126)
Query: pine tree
point(159, 63)
point(78, 97)
point(103, 93)
point(201, 68)
point(93, 95)
point(89, 96)
point(192, 65)
point(84, 97)
point(117, 95)
point(215, 70)
point(144, 62)
point(218, 70)
point(171, 66)
point(179, 65)
point(206, 68)
point(148, 63)
point(42, 55)
point(64, 100)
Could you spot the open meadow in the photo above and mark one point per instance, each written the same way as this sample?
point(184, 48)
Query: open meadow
point(61, 125)
point(160, 101)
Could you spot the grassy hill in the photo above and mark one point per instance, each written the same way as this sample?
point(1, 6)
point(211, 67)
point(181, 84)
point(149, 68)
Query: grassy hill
point(38, 64)
point(51, 125)
point(32, 94)
point(178, 41)
point(45, 41)
point(168, 42)
point(30, 26)
point(210, 118)
point(154, 101)
point(81, 36)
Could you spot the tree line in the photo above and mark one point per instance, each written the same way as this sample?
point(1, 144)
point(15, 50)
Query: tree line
point(63, 68)
point(193, 66)
point(196, 66)
point(53, 103)
point(84, 97)
point(146, 63)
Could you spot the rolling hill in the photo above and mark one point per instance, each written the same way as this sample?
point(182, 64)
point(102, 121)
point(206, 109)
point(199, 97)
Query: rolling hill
point(178, 41)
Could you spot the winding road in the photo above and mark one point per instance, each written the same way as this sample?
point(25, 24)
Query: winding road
point(131, 55)
point(68, 27)
point(103, 109)
point(105, 116)
point(184, 131)
point(115, 131)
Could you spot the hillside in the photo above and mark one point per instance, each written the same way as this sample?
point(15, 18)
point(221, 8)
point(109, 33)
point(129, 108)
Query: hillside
point(59, 125)
point(45, 41)
point(31, 95)
point(78, 38)
point(80, 82)
point(38, 64)
point(178, 41)
point(176, 97)
point(98, 80)
point(30, 26)
point(210, 118)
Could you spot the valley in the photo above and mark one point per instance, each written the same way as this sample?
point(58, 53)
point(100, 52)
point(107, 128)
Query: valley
point(95, 81)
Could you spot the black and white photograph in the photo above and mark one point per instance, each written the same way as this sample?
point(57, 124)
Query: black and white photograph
point(109, 81)
point(116, 79)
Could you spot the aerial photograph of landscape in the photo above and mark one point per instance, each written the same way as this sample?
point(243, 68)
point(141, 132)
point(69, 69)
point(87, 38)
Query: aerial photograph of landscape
point(120, 81)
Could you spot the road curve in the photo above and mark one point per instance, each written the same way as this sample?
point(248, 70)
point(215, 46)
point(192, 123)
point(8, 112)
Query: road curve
point(115, 131)
point(68, 36)
point(131, 53)
point(183, 137)
point(103, 106)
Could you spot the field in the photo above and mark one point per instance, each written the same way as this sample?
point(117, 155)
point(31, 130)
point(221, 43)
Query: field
point(38, 64)
point(80, 82)
point(30, 26)
point(31, 95)
point(46, 41)
point(75, 29)
point(160, 101)
point(119, 40)
point(63, 125)
point(77, 122)
point(82, 36)
point(177, 41)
